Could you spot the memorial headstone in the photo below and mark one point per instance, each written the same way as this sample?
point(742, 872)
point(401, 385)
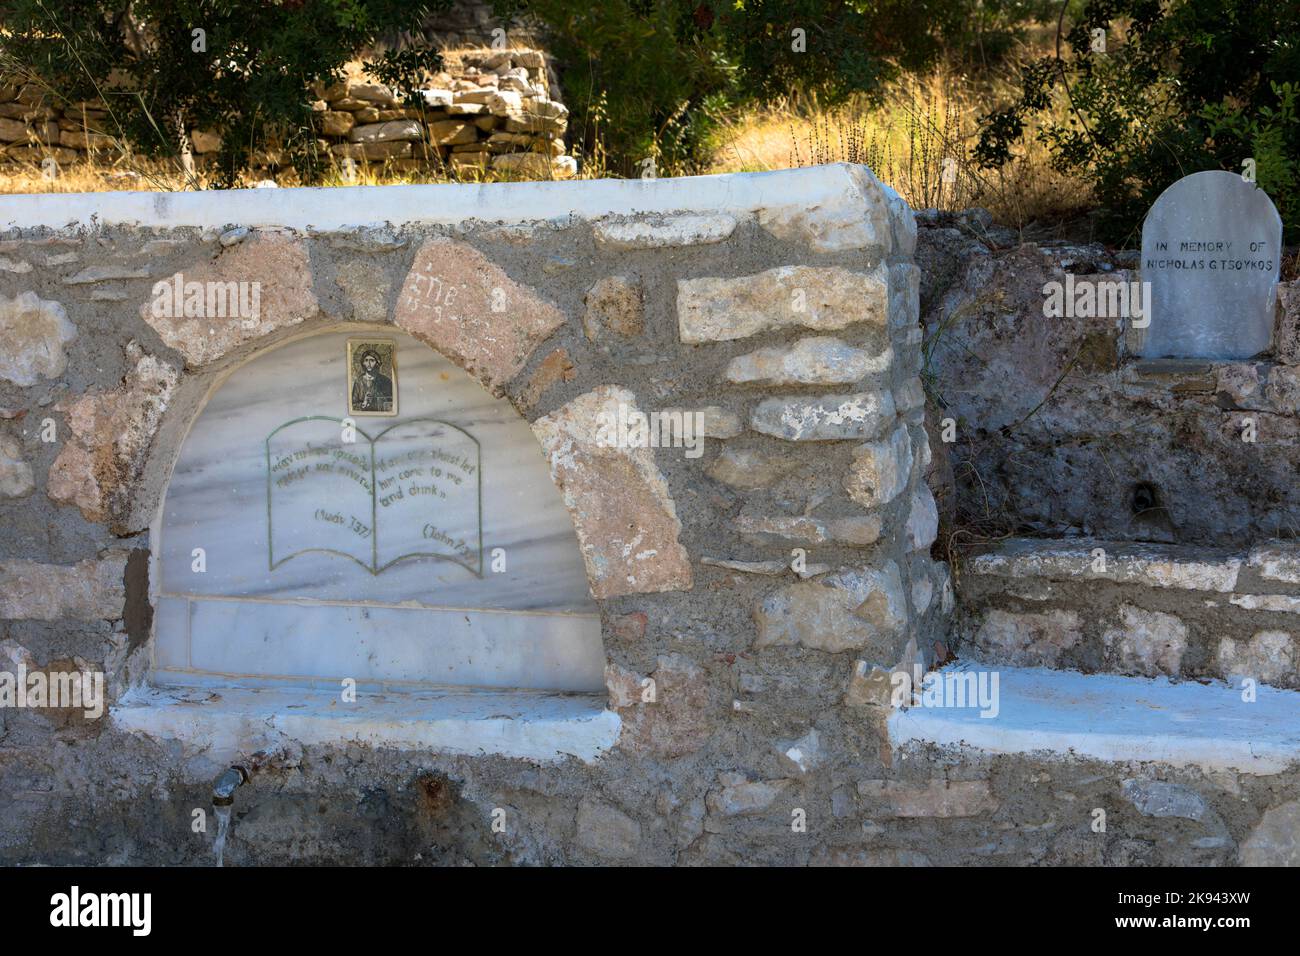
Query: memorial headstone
point(1211, 251)
point(357, 506)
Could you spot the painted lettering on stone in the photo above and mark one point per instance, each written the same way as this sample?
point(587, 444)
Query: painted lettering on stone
point(408, 492)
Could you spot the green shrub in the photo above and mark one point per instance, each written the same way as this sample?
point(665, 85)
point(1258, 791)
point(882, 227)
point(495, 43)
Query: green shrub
point(248, 76)
point(1181, 86)
point(648, 80)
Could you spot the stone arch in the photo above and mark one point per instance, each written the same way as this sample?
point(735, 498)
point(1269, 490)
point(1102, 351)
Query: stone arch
point(532, 625)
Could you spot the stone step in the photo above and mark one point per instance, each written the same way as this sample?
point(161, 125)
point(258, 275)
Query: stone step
point(1065, 714)
point(1134, 608)
point(1086, 770)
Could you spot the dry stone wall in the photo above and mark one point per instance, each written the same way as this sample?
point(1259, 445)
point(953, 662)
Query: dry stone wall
point(488, 109)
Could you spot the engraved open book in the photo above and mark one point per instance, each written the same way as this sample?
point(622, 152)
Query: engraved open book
point(412, 490)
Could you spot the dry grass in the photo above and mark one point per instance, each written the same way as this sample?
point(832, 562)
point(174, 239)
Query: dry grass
point(118, 168)
point(127, 172)
point(102, 175)
point(918, 142)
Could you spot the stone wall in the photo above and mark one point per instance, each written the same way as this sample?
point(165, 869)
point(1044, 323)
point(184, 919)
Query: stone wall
point(1060, 429)
point(774, 580)
point(1138, 609)
point(487, 109)
point(757, 603)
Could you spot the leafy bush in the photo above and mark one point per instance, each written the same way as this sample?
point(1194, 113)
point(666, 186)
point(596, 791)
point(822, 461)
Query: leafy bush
point(1180, 86)
point(648, 80)
point(248, 76)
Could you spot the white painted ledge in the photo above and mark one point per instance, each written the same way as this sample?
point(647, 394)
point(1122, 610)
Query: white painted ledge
point(1113, 718)
point(234, 722)
point(343, 207)
point(1126, 562)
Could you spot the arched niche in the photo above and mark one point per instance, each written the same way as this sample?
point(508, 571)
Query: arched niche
point(276, 564)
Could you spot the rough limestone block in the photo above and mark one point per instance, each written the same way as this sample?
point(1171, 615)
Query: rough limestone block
point(767, 568)
point(909, 397)
point(614, 304)
point(822, 299)
point(750, 468)
point(801, 756)
point(714, 422)
point(922, 593)
point(464, 305)
point(376, 93)
point(111, 431)
point(856, 219)
point(16, 478)
point(740, 797)
point(532, 165)
point(625, 687)
point(1275, 841)
point(12, 130)
point(276, 266)
point(1158, 566)
point(935, 798)
point(437, 99)
point(625, 518)
point(621, 233)
point(607, 831)
point(1269, 656)
point(1150, 643)
point(92, 275)
point(1028, 640)
point(923, 520)
point(869, 686)
point(373, 151)
point(336, 122)
point(905, 295)
point(504, 103)
point(85, 139)
point(204, 142)
point(815, 360)
point(904, 222)
point(857, 531)
point(856, 607)
point(1156, 798)
point(33, 333)
point(1277, 562)
point(828, 418)
point(452, 133)
point(880, 470)
point(678, 719)
point(87, 591)
point(1281, 603)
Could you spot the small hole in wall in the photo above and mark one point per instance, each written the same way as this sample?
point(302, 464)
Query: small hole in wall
point(1145, 498)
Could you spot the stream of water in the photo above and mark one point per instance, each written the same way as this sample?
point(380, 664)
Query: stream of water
point(223, 828)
